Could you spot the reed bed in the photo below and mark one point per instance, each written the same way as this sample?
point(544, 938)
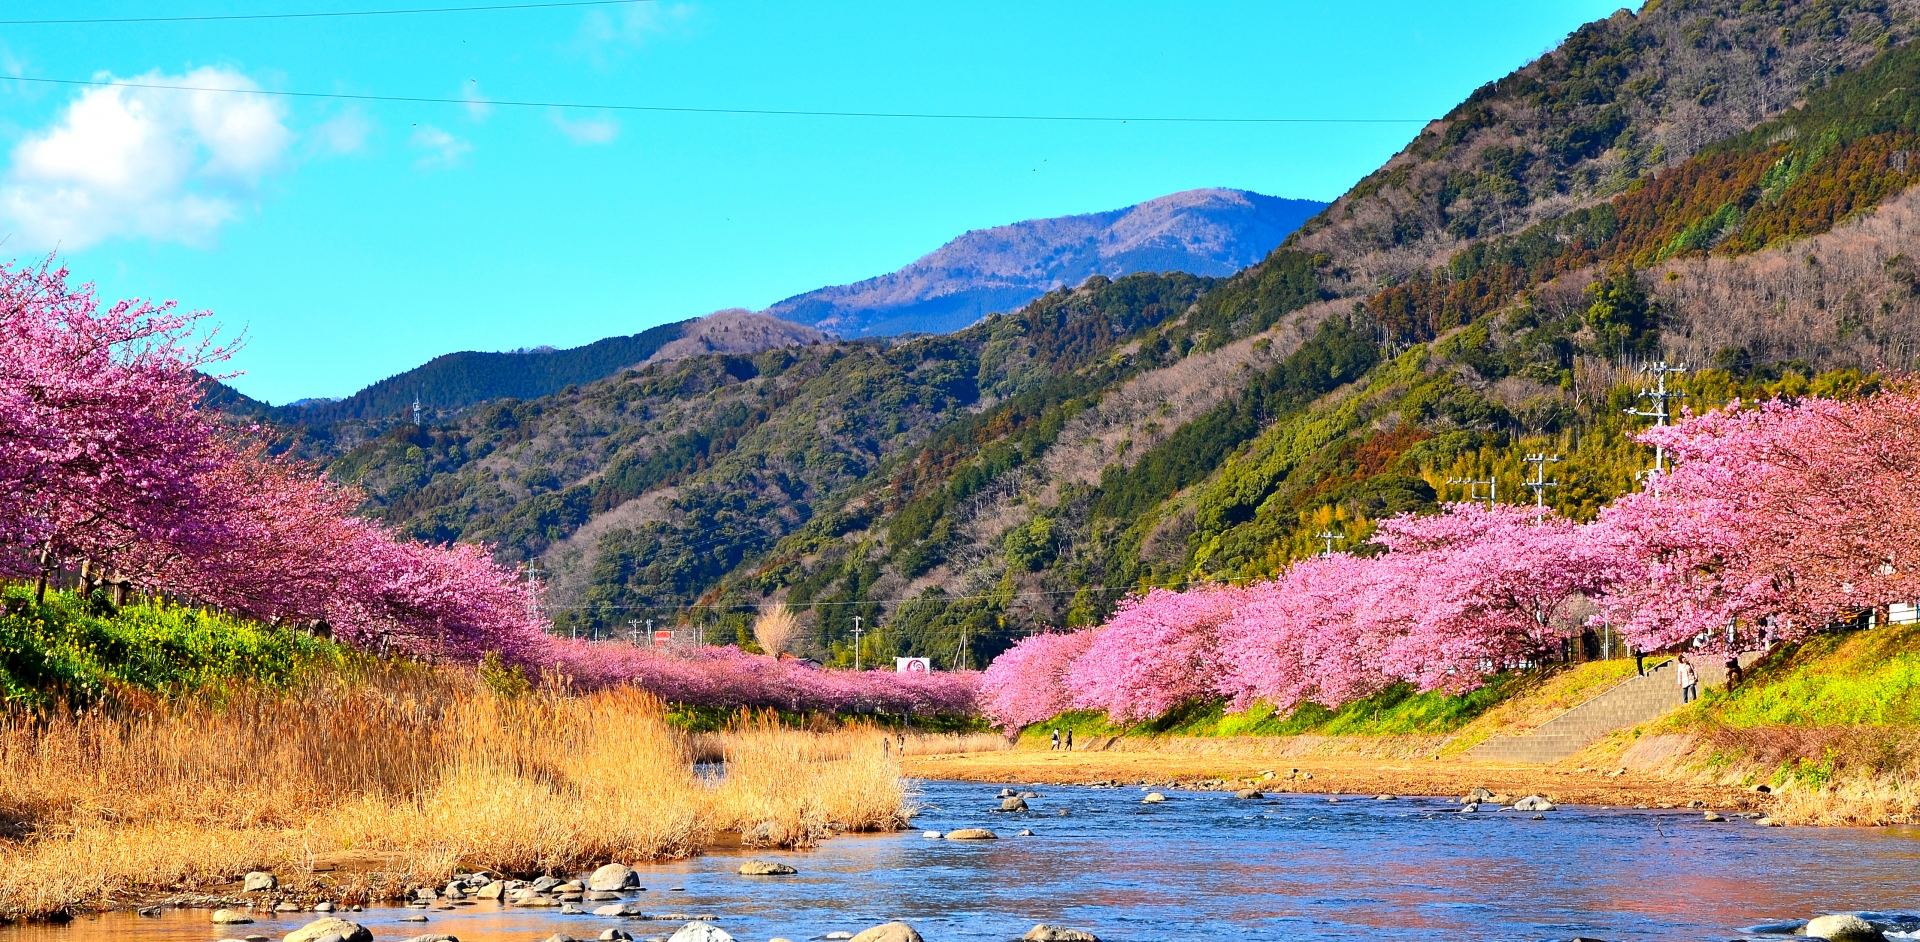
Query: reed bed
point(424, 772)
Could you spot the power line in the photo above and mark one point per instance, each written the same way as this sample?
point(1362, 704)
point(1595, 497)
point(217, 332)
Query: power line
point(666, 109)
point(319, 15)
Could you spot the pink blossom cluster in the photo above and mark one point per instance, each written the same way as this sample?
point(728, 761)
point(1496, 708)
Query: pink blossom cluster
point(1456, 596)
point(107, 457)
point(730, 678)
point(1775, 520)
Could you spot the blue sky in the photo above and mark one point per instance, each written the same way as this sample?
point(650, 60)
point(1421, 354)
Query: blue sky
point(350, 241)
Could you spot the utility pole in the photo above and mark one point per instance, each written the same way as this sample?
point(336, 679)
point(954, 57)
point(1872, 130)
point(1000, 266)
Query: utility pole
point(1657, 399)
point(856, 642)
point(1473, 488)
point(1539, 482)
point(1330, 536)
point(960, 655)
point(633, 635)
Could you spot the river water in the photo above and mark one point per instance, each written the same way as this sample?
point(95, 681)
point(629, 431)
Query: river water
point(1204, 866)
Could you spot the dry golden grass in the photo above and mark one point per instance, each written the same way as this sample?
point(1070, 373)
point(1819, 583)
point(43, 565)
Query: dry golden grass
point(425, 769)
point(1853, 802)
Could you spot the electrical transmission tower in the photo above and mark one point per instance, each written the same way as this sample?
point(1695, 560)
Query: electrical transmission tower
point(1331, 536)
point(1539, 482)
point(1657, 399)
point(1491, 483)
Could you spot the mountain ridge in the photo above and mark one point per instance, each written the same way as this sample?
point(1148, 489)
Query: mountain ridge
point(1211, 231)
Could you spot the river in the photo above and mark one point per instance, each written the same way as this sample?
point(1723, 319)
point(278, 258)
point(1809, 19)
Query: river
point(1205, 866)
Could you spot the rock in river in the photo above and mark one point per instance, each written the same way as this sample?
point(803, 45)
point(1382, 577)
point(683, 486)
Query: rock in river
point(765, 868)
point(930, 835)
point(1533, 803)
point(613, 877)
point(1248, 793)
point(321, 928)
point(889, 932)
point(1153, 798)
point(616, 935)
point(699, 931)
point(1046, 933)
point(231, 917)
point(1843, 927)
point(622, 910)
point(491, 890)
point(260, 880)
point(1013, 804)
point(971, 834)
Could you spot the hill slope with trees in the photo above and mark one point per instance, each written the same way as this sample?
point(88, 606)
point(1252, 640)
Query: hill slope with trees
point(1724, 184)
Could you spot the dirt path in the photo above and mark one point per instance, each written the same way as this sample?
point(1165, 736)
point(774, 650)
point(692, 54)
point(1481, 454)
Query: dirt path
point(1331, 776)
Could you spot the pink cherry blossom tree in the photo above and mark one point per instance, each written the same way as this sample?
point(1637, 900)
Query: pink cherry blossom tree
point(1029, 682)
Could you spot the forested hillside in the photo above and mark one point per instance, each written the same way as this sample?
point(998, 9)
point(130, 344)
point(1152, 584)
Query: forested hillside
point(1720, 183)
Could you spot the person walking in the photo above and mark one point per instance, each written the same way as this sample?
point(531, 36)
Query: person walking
point(1069, 740)
point(1056, 740)
point(1689, 682)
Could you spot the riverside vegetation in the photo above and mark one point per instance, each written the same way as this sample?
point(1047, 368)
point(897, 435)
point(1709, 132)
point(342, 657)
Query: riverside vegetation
point(195, 748)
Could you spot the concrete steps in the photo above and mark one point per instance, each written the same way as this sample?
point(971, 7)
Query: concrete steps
point(1633, 701)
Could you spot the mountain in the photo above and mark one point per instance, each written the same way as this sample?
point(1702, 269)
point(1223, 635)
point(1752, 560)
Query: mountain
point(1727, 184)
point(1203, 232)
point(457, 380)
point(734, 331)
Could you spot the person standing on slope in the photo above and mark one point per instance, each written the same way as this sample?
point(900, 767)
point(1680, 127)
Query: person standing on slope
point(1689, 682)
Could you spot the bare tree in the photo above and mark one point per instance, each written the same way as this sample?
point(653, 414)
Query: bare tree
point(775, 628)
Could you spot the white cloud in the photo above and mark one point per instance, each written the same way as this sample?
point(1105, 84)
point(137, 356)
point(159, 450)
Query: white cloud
point(344, 133)
point(443, 150)
point(153, 163)
point(631, 26)
point(587, 131)
point(478, 106)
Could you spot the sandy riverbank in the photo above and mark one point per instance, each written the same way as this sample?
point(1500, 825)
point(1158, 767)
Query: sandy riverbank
point(1337, 775)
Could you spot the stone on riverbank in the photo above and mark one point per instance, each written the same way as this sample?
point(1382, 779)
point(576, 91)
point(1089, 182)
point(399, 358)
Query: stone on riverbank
point(972, 834)
point(287, 907)
point(231, 917)
point(1013, 804)
point(491, 890)
point(889, 932)
point(1046, 933)
point(699, 931)
point(613, 877)
point(321, 928)
point(1843, 927)
point(1533, 803)
point(259, 881)
point(1477, 796)
point(765, 868)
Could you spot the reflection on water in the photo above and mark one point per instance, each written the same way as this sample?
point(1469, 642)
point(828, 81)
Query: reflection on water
point(1204, 866)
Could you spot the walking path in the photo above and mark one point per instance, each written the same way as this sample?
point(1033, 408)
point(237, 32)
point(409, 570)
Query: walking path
point(1636, 700)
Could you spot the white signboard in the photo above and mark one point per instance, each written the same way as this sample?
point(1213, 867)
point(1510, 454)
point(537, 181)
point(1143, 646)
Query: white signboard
point(913, 665)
